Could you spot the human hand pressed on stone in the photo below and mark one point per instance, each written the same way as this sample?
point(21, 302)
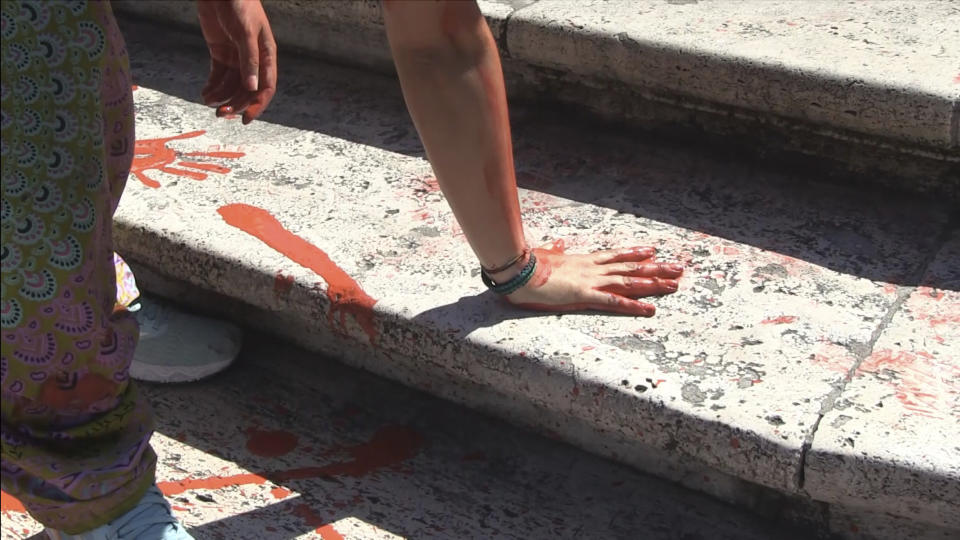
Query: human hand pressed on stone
point(243, 56)
point(608, 281)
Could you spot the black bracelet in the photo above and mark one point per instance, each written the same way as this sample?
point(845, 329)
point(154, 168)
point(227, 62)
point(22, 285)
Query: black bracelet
point(515, 283)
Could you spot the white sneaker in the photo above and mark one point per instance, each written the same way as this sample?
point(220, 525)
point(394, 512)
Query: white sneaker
point(176, 346)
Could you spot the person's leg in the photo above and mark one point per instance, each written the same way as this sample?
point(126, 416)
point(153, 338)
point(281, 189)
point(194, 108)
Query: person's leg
point(175, 346)
point(75, 432)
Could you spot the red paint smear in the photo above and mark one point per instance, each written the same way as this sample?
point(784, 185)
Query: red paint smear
point(325, 530)
point(153, 154)
point(134, 88)
point(9, 503)
point(924, 384)
point(344, 293)
point(388, 447)
point(783, 319)
point(280, 493)
point(956, 80)
point(270, 443)
point(180, 508)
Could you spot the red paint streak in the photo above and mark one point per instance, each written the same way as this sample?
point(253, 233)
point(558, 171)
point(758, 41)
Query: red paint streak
point(153, 154)
point(783, 319)
point(177, 487)
point(134, 88)
point(9, 503)
point(346, 296)
point(282, 285)
point(180, 508)
point(588, 347)
point(280, 493)
point(312, 519)
point(270, 443)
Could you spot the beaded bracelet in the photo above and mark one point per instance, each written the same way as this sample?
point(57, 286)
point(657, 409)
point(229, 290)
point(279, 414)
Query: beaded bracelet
point(514, 283)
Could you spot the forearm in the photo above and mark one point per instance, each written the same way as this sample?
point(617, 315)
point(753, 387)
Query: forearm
point(453, 85)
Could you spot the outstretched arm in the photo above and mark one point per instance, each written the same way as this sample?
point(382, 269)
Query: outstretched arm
point(452, 81)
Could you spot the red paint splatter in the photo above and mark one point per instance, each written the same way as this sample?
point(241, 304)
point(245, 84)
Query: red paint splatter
point(588, 347)
point(312, 519)
point(270, 443)
point(280, 493)
point(134, 88)
point(783, 319)
point(346, 296)
point(180, 508)
point(9, 503)
point(282, 284)
point(153, 154)
point(956, 80)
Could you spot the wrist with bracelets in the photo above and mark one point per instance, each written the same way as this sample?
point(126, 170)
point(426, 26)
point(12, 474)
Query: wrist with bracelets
point(511, 285)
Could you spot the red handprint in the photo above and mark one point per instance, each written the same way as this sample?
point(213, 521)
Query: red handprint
point(154, 154)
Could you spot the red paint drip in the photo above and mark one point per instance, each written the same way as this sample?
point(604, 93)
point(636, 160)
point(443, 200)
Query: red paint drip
point(270, 443)
point(344, 293)
point(783, 319)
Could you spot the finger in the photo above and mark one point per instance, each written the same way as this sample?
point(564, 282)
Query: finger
point(554, 246)
point(647, 269)
point(239, 102)
point(633, 254)
point(638, 286)
point(218, 72)
point(268, 79)
point(228, 87)
point(614, 303)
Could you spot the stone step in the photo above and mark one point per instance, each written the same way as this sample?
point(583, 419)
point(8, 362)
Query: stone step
point(869, 90)
point(807, 365)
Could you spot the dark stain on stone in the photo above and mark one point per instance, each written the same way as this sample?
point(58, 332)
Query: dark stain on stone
point(691, 393)
point(772, 270)
point(775, 419)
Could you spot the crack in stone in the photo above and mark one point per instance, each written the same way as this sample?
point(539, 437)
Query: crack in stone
point(862, 351)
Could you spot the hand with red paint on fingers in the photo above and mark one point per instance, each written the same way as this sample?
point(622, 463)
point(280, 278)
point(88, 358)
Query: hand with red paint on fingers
point(607, 281)
point(243, 56)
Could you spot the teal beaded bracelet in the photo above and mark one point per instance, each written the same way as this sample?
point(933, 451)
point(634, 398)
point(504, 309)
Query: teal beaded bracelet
point(515, 283)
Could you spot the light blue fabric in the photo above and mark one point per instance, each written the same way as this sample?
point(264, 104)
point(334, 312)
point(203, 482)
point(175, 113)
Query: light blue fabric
point(149, 520)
